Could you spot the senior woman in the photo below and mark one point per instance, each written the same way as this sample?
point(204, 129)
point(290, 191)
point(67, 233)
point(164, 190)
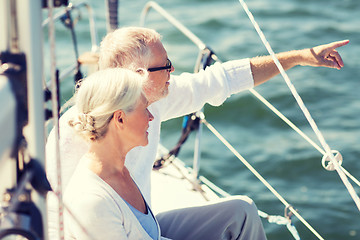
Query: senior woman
point(113, 117)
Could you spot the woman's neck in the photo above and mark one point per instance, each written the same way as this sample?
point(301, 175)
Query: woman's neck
point(106, 157)
point(109, 165)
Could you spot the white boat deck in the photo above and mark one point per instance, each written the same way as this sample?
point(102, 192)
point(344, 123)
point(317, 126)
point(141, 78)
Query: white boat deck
point(173, 186)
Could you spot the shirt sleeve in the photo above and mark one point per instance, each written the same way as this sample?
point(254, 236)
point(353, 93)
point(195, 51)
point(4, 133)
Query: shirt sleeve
point(189, 92)
point(72, 147)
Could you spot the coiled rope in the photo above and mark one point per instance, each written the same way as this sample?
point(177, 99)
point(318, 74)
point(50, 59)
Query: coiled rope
point(302, 106)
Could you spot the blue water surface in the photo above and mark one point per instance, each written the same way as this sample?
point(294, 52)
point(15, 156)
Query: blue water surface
point(288, 162)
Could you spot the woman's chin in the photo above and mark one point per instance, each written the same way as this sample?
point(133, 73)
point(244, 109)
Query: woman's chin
point(146, 141)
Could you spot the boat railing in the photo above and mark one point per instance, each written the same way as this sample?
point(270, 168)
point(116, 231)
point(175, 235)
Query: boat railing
point(172, 20)
point(65, 13)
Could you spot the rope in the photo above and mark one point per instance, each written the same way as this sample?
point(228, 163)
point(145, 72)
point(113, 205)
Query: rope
point(257, 174)
point(303, 108)
point(277, 219)
point(350, 176)
point(55, 113)
point(286, 120)
point(296, 129)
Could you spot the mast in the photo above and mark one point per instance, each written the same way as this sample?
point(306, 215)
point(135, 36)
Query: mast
point(30, 42)
point(112, 12)
point(22, 72)
point(8, 111)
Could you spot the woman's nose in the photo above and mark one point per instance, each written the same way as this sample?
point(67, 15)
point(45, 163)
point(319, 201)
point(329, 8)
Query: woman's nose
point(151, 117)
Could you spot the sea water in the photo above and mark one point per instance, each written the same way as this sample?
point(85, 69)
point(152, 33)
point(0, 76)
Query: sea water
point(289, 163)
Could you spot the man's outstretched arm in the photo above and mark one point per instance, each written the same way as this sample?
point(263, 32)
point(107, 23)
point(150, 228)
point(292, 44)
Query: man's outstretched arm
point(263, 68)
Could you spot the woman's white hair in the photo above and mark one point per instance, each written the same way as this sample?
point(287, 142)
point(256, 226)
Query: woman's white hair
point(103, 93)
point(127, 47)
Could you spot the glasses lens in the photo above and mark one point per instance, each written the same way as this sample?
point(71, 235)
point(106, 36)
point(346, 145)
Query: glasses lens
point(168, 64)
point(168, 67)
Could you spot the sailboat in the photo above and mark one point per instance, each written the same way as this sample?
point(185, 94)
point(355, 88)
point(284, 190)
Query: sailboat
point(22, 88)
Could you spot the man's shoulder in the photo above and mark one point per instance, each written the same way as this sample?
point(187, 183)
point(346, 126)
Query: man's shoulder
point(64, 126)
point(69, 114)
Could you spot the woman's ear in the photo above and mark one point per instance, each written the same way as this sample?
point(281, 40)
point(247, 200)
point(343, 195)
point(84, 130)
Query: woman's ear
point(119, 117)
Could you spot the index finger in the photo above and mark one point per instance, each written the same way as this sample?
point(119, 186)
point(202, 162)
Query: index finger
point(337, 44)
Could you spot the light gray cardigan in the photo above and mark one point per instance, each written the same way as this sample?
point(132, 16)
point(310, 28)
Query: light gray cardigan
point(101, 211)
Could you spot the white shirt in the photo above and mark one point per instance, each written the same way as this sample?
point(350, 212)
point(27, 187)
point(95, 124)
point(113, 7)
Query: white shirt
point(187, 93)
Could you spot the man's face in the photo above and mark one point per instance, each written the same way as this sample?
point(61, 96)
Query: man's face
point(158, 82)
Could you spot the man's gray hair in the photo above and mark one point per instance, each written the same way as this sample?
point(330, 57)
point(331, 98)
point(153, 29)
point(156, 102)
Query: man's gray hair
point(127, 47)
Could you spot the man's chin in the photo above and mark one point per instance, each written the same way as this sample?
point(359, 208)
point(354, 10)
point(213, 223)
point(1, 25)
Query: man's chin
point(158, 97)
point(166, 92)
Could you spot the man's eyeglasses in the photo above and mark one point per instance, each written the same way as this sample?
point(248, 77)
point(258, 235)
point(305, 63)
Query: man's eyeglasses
point(168, 67)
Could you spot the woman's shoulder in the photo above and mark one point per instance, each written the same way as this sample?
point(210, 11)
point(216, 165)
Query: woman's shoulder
point(84, 184)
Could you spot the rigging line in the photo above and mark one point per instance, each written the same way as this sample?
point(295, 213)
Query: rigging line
point(55, 113)
point(350, 176)
point(279, 220)
point(301, 104)
point(286, 120)
point(296, 129)
point(258, 175)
